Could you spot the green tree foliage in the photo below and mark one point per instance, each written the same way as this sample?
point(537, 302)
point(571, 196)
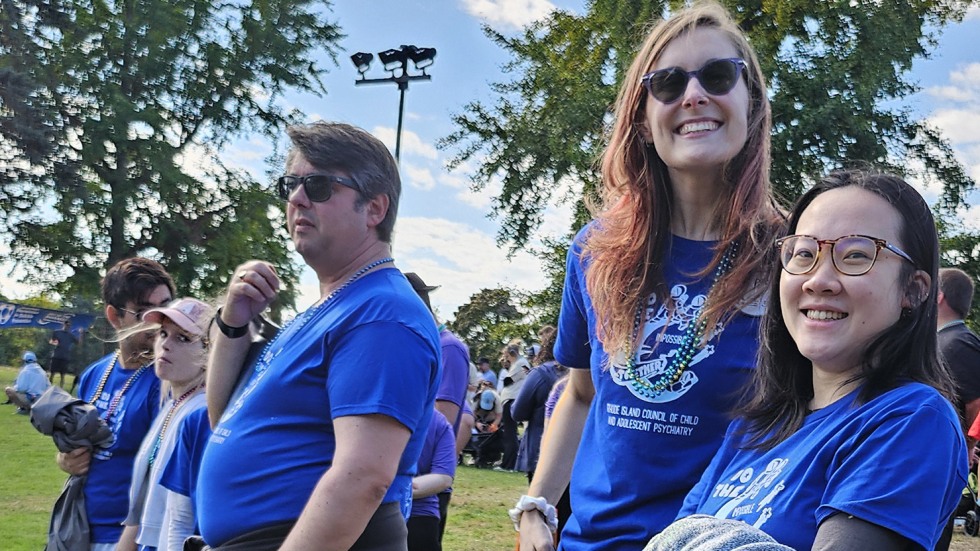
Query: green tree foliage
point(491, 319)
point(545, 304)
point(837, 72)
point(111, 117)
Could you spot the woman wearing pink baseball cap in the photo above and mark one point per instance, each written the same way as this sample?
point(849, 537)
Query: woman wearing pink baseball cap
point(180, 358)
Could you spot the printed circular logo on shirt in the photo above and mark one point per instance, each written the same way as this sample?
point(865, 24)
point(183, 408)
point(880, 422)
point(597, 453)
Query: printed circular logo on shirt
point(661, 337)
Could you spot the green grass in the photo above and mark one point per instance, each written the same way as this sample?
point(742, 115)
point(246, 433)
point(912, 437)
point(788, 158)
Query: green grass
point(30, 482)
point(29, 479)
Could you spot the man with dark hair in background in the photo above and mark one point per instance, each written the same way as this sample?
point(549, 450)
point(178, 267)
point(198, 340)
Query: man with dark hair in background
point(451, 396)
point(63, 342)
point(960, 347)
point(126, 392)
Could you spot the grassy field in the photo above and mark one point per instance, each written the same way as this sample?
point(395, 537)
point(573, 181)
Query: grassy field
point(30, 482)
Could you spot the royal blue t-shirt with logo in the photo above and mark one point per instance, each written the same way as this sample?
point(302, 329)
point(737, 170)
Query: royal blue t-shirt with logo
point(641, 453)
point(111, 470)
point(897, 461)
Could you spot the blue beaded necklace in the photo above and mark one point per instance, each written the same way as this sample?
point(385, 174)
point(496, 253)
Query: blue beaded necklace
point(297, 323)
point(685, 352)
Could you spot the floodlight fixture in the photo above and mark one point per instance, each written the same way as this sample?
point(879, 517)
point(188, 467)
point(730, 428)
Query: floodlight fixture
point(422, 57)
point(362, 61)
point(393, 59)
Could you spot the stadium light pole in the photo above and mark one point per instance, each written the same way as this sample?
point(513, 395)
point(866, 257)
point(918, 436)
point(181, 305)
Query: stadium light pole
point(396, 63)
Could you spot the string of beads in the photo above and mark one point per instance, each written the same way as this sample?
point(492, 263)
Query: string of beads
point(166, 420)
point(107, 416)
point(685, 352)
point(299, 321)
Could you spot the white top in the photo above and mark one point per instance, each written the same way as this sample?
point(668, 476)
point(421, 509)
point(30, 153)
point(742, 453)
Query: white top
point(147, 498)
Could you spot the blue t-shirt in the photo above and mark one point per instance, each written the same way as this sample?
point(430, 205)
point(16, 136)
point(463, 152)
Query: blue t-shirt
point(898, 461)
point(111, 470)
point(181, 472)
point(373, 349)
point(640, 454)
point(438, 457)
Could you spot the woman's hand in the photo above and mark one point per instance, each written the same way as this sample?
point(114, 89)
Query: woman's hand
point(535, 534)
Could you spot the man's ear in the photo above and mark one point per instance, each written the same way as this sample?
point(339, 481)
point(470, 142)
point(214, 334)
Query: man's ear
point(917, 290)
point(377, 209)
point(941, 297)
point(113, 315)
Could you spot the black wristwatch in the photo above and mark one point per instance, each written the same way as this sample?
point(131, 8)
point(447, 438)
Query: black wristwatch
point(227, 330)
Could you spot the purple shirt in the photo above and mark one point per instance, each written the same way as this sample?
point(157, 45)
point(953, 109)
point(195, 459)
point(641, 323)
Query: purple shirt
point(438, 457)
point(553, 396)
point(455, 372)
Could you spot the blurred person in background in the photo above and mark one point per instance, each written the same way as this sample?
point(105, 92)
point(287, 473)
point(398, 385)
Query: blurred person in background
point(31, 382)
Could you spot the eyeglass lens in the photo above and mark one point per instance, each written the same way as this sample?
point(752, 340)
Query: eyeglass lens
point(318, 187)
point(853, 255)
point(717, 77)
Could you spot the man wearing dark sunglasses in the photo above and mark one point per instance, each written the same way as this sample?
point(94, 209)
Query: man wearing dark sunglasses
point(317, 449)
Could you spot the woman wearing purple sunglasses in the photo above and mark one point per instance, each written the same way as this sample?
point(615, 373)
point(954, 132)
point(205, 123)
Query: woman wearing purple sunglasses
point(662, 296)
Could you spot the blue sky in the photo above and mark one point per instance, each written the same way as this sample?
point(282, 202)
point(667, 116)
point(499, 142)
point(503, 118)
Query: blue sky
point(443, 230)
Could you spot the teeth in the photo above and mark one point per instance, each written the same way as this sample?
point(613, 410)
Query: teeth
point(698, 127)
point(824, 315)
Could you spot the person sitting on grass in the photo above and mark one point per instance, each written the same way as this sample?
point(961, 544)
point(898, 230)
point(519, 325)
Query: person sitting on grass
point(31, 382)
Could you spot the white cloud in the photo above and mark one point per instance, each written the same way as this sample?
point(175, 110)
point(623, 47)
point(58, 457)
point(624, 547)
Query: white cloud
point(454, 180)
point(197, 160)
point(968, 76)
point(508, 14)
point(14, 289)
point(255, 150)
point(482, 199)
point(972, 13)
point(461, 259)
point(959, 126)
point(417, 177)
point(412, 144)
point(950, 93)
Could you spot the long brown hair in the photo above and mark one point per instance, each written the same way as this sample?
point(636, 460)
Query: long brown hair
point(627, 244)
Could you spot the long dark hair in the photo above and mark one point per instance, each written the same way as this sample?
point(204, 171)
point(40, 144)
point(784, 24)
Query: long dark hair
point(782, 385)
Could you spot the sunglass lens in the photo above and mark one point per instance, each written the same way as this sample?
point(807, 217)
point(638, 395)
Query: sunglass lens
point(719, 77)
point(285, 186)
point(318, 187)
point(668, 85)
